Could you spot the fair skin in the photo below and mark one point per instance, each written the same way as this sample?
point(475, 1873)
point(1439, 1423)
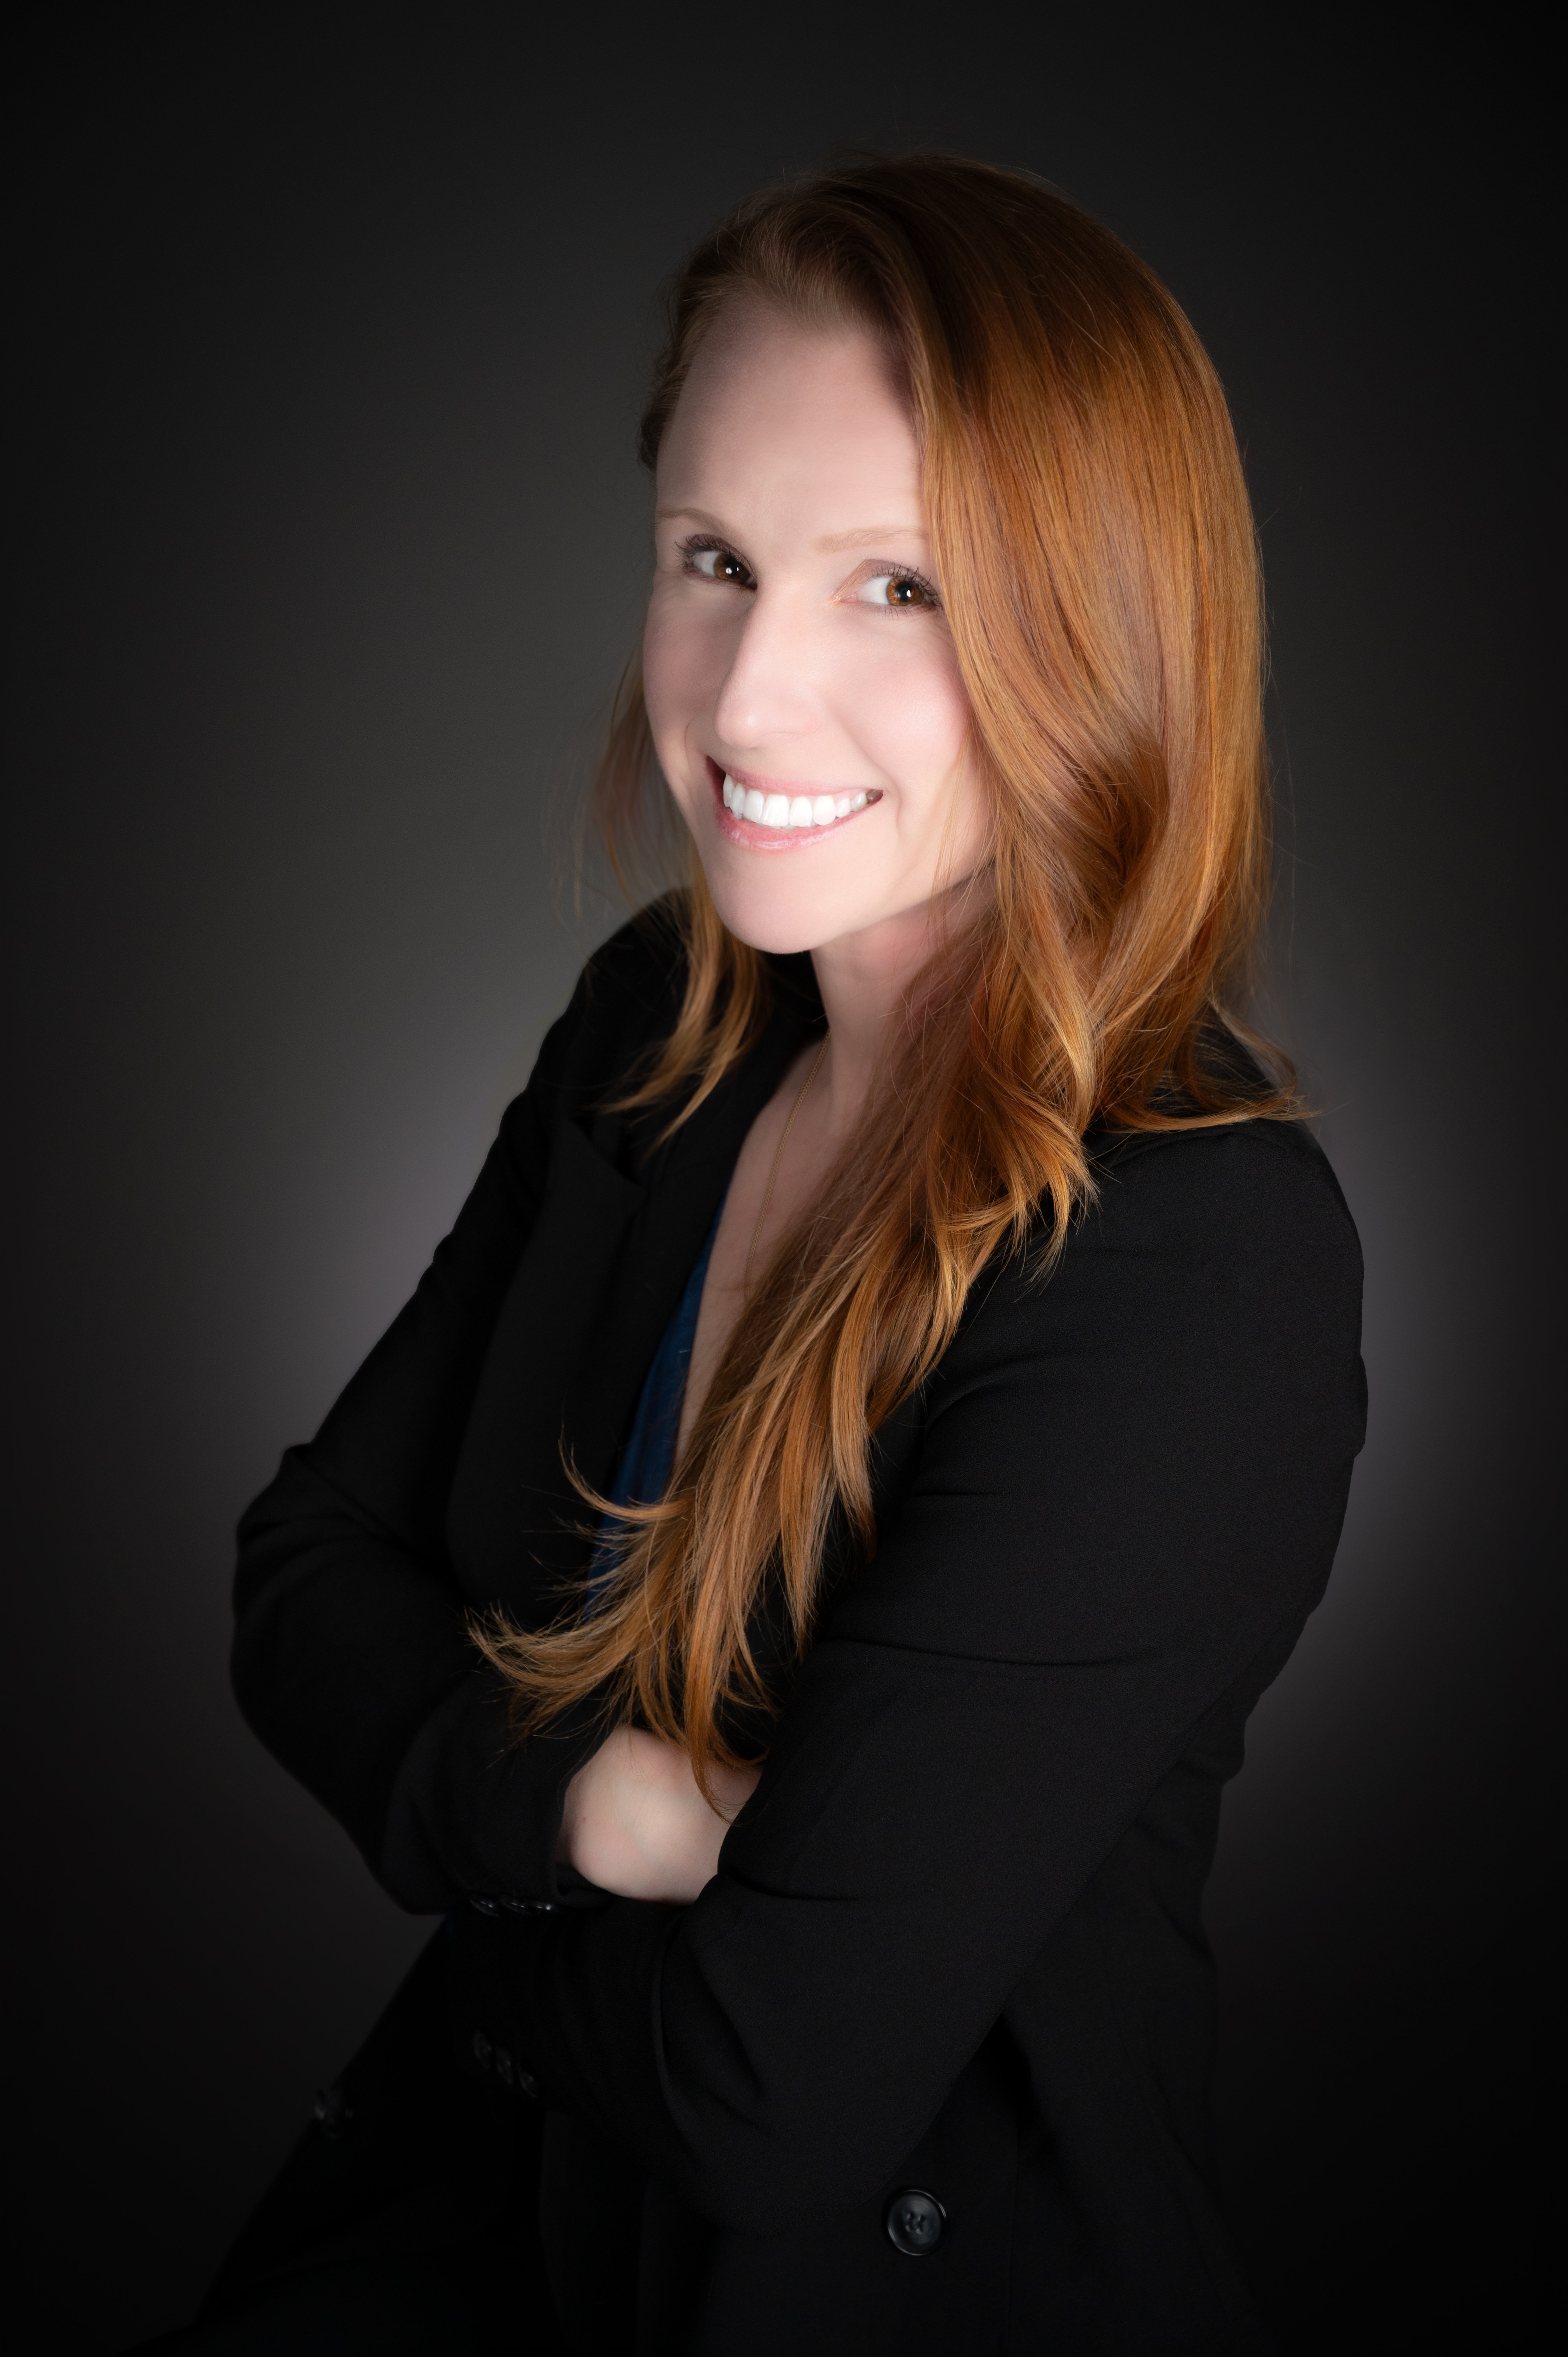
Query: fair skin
point(795, 659)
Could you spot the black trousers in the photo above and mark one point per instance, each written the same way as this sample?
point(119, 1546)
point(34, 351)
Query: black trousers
point(405, 2221)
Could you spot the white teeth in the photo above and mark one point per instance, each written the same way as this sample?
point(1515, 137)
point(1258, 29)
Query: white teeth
point(788, 810)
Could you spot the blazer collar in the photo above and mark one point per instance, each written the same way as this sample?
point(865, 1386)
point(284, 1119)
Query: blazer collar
point(683, 1183)
point(622, 1223)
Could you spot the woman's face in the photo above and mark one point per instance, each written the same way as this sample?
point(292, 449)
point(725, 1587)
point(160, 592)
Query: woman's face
point(800, 681)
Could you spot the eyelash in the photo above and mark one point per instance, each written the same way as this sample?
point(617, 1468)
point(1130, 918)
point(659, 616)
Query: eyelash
point(701, 542)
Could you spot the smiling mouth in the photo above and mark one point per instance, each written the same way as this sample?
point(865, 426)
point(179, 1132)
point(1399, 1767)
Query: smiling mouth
point(771, 820)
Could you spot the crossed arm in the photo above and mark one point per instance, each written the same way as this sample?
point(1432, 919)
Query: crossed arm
point(1126, 1483)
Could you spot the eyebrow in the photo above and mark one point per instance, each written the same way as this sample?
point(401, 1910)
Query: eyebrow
point(871, 534)
point(866, 537)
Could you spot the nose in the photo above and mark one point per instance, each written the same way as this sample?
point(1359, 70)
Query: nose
point(770, 690)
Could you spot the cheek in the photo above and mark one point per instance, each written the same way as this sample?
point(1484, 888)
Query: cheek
point(680, 667)
point(911, 715)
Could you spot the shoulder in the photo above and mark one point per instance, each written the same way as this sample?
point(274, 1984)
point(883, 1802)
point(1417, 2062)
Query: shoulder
point(1168, 1413)
point(1233, 1192)
point(1221, 1259)
point(627, 1000)
point(631, 988)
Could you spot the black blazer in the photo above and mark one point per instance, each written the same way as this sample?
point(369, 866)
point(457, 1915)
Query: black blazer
point(955, 1945)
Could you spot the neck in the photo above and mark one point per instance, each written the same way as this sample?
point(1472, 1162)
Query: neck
point(863, 977)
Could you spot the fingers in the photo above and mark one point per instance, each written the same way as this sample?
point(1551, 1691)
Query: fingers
point(637, 1823)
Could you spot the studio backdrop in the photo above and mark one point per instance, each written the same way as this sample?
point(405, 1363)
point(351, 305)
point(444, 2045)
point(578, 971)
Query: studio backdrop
point(335, 332)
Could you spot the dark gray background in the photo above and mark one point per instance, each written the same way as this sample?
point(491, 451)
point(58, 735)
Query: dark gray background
point(334, 336)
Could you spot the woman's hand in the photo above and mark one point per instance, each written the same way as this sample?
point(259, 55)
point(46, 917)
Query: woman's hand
point(635, 1821)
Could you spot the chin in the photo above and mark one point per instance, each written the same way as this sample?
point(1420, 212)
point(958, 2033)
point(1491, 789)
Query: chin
point(778, 916)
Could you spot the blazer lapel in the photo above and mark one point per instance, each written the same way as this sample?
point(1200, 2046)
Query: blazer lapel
point(686, 1183)
point(596, 1284)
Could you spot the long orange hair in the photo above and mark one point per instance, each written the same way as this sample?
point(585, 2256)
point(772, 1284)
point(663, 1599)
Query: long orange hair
point(1094, 548)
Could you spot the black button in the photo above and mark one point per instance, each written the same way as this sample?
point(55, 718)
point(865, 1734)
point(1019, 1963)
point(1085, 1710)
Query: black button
point(484, 1906)
point(914, 2222)
point(529, 1906)
point(333, 2112)
point(510, 2073)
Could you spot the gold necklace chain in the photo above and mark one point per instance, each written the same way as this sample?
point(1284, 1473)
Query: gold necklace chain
point(778, 1157)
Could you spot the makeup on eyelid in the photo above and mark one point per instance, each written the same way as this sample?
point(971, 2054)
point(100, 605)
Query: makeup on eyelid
point(903, 589)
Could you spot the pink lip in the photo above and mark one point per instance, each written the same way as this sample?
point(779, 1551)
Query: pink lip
point(751, 838)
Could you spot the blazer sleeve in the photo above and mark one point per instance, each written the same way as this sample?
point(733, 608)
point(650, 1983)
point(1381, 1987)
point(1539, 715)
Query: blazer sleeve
point(1130, 1481)
point(351, 1659)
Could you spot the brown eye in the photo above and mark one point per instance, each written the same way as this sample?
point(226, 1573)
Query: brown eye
point(720, 564)
point(897, 589)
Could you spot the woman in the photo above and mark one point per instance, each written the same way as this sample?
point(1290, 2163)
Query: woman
point(791, 1587)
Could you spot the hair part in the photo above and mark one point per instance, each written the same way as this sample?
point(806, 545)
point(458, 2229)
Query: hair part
point(1094, 545)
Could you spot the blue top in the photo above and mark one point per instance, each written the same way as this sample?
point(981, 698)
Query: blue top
point(642, 1476)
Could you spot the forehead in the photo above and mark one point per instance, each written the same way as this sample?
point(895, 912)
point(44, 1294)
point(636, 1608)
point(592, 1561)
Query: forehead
point(772, 407)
